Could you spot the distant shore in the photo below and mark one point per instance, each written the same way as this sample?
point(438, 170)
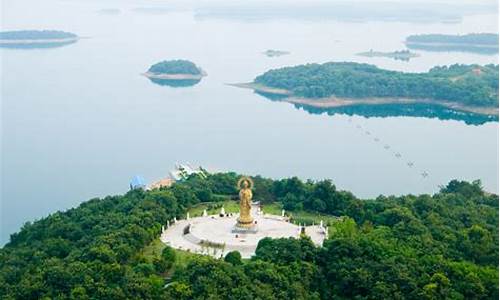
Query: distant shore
point(37, 41)
point(332, 102)
point(440, 44)
point(175, 76)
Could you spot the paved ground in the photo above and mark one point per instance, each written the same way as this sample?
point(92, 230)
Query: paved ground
point(217, 229)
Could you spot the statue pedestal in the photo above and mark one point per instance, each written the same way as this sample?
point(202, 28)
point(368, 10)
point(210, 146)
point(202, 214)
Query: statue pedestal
point(245, 229)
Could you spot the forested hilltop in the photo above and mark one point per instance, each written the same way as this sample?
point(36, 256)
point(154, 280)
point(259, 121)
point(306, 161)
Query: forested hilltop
point(470, 85)
point(409, 247)
point(178, 66)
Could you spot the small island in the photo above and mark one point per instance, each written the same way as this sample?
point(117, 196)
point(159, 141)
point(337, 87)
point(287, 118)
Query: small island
point(175, 73)
point(36, 38)
point(404, 55)
point(275, 53)
point(480, 43)
point(470, 88)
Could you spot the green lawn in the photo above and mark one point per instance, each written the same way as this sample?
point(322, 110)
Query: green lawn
point(272, 208)
point(230, 206)
point(301, 216)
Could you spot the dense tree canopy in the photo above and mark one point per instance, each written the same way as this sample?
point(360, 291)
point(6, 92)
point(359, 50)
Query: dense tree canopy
point(466, 84)
point(412, 247)
point(175, 67)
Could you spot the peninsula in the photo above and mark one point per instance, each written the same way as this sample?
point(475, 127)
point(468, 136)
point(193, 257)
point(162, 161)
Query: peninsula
point(312, 240)
point(404, 55)
point(36, 38)
point(471, 88)
point(481, 43)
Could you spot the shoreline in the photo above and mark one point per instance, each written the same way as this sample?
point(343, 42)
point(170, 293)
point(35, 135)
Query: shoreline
point(333, 102)
point(443, 44)
point(261, 88)
point(175, 76)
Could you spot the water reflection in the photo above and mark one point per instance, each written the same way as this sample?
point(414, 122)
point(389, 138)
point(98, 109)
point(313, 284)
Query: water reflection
point(419, 110)
point(404, 110)
point(175, 83)
point(36, 45)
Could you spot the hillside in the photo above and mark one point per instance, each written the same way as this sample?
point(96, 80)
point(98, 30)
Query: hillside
point(414, 247)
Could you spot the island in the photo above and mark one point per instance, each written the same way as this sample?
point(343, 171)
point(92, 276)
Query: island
point(470, 88)
point(480, 43)
point(389, 247)
point(404, 55)
point(36, 38)
point(175, 73)
point(275, 53)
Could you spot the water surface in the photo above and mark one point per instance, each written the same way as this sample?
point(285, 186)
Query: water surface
point(79, 121)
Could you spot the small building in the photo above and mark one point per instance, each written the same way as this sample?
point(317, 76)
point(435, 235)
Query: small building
point(137, 182)
point(164, 182)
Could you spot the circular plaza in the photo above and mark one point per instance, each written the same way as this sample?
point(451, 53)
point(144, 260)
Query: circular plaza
point(214, 234)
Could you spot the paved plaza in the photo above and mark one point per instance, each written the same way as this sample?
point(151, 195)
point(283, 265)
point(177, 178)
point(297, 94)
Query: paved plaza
point(212, 235)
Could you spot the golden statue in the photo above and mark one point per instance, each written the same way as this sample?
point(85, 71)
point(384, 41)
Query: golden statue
point(245, 185)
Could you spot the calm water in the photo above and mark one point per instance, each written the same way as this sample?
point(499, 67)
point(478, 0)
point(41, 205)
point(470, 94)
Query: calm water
point(79, 121)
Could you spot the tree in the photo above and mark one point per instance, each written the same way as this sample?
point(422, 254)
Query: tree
point(168, 256)
point(438, 288)
point(233, 257)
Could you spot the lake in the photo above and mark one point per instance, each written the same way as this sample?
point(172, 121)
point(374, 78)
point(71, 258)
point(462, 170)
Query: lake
point(80, 121)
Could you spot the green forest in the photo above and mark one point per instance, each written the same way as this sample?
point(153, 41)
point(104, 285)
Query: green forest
point(472, 85)
point(35, 35)
point(178, 66)
point(441, 246)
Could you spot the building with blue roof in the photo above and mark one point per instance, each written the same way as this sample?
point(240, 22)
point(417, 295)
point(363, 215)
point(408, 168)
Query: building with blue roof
point(137, 182)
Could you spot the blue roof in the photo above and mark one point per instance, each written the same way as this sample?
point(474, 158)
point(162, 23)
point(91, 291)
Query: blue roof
point(137, 182)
